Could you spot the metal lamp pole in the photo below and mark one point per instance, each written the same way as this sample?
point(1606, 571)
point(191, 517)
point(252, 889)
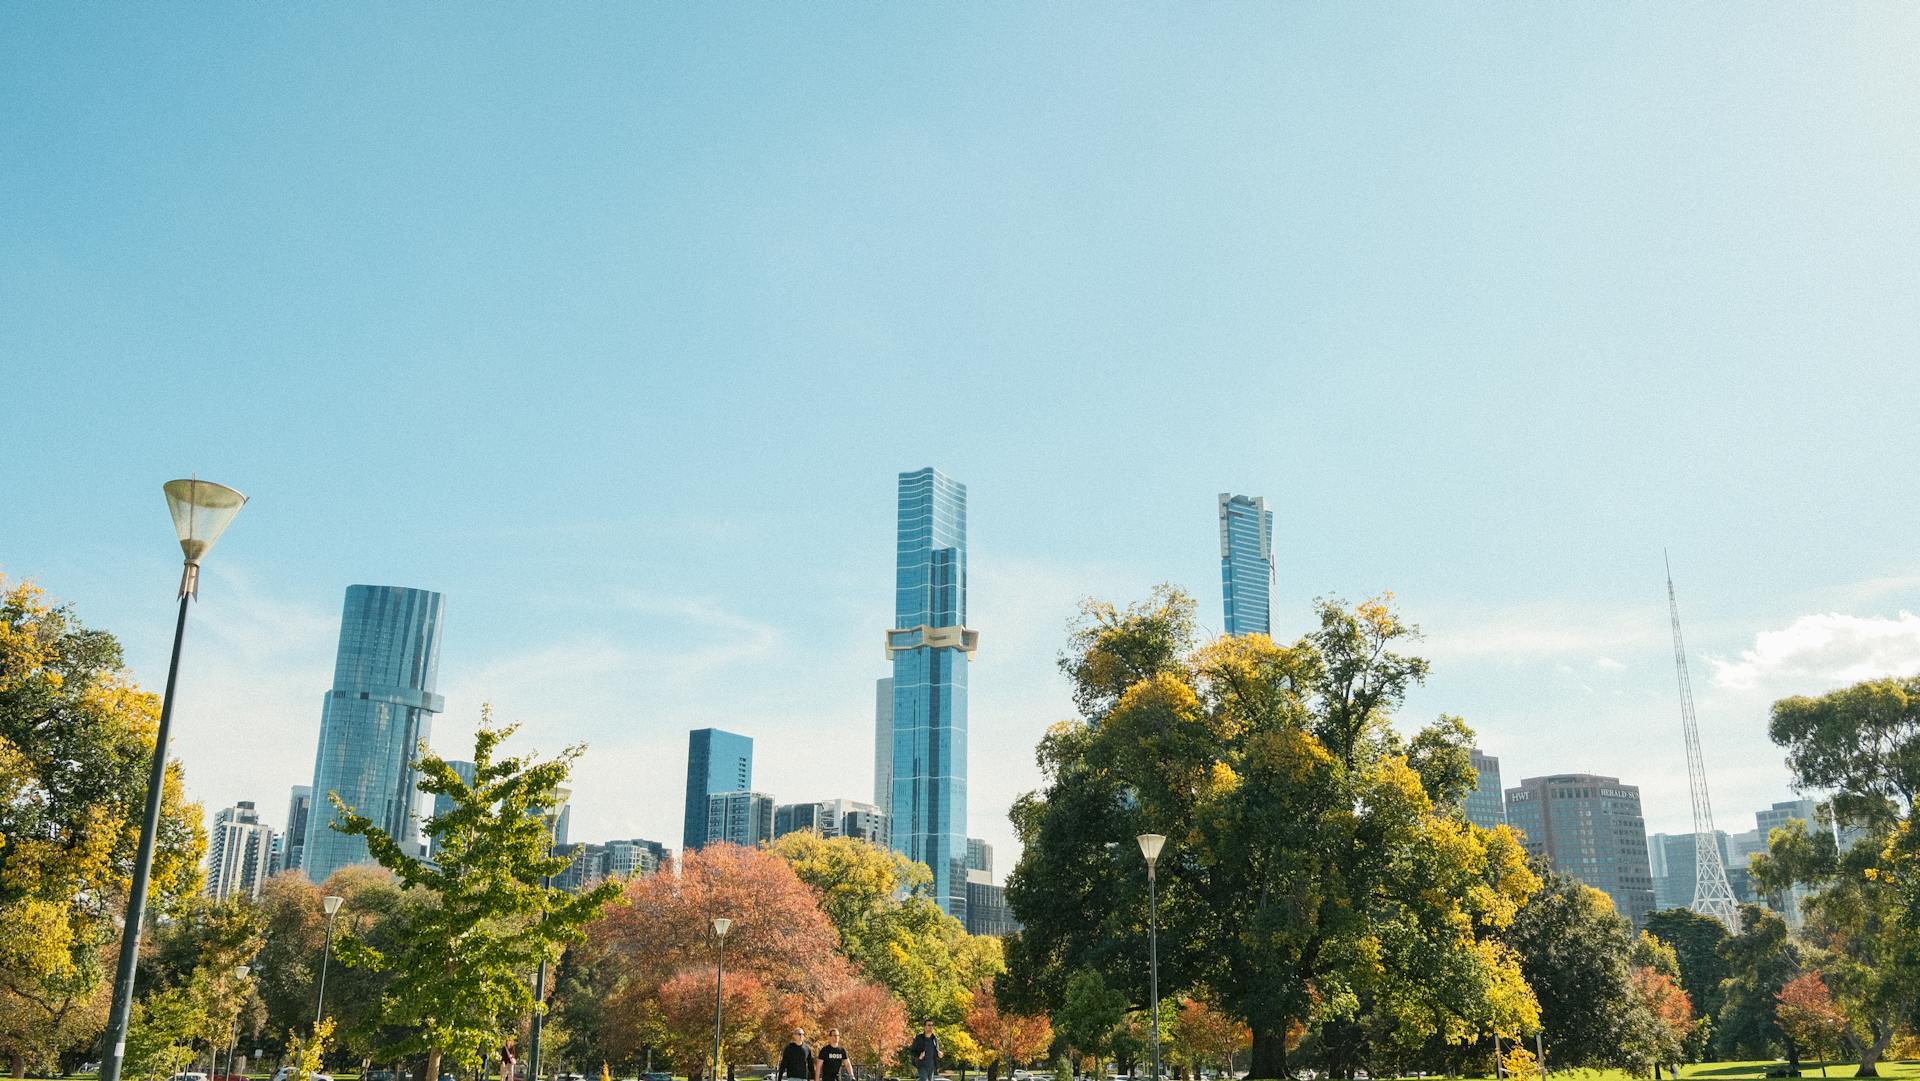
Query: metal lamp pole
point(201, 510)
point(720, 926)
point(233, 1037)
point(1150, 845)
point(332, 906)
point(540, 977)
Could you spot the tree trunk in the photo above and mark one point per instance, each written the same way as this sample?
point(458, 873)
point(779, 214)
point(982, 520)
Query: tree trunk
point(1269, 1054)
point(993, 1070)
point(431, 1072)
point(1870, 1054)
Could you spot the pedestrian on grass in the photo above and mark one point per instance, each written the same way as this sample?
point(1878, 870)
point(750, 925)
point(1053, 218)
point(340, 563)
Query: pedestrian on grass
point(925, 1052)
point(833, 1060)
point(796, 1061)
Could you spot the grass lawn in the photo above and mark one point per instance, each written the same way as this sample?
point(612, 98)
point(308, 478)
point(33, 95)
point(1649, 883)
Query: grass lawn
point(1736, 1071)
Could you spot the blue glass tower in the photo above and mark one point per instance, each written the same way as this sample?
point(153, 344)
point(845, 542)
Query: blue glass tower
point(716, 762)
point(930, 648)
point(1246, 563)
point(374, 719)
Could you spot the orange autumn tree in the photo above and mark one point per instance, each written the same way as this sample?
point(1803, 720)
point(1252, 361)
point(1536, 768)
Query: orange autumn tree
point(663, 927)
point(1006, 1039)
point(872, 1024)
point(1204, 1036)
point(1807, 1012)
point(681, 1021)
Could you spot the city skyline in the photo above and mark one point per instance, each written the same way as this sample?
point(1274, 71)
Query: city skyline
point(1467, 277)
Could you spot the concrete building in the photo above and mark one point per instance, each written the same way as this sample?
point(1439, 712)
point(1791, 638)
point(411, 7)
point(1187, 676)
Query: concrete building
point(832, 818)
point(239, 852)
point(739, 818)
point(1591, 828)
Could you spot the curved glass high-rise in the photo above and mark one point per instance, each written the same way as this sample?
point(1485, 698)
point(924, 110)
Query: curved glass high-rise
point(931, 647)
point(1246, 563)
point(376, 716)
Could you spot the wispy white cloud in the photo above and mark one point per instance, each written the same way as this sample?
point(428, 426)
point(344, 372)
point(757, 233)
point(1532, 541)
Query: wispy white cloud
point(1818, 651)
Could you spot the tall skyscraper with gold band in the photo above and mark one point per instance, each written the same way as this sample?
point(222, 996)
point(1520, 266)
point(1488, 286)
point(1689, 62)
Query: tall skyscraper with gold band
point(931, 648)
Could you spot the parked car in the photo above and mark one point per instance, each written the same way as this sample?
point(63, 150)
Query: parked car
point(285, 1073)
point(188, 1077)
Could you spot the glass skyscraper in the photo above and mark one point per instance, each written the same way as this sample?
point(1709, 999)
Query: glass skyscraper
point(1246, 563)
point(716, 762)
point(930, 648)
point(1486, 805)
point(374, 719)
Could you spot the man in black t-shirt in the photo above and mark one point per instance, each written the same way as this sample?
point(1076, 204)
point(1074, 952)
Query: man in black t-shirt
point(833, 1059)
point(796, 1062)
point(925, 1052)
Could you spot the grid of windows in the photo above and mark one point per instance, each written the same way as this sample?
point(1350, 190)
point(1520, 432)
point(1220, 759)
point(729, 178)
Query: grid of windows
point(373, 721)
point(1246, 563)
point(927, 804)
point(1485, 806)
point(716, 762)
point(1589, 827)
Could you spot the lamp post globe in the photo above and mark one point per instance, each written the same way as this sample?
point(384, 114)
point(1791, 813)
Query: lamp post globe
point(201, 511)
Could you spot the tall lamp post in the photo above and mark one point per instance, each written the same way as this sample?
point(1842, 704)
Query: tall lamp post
point(233, 1037)
point(721, 925)
point(332, 906)
point(201, 511)
point(1150, 845)
point(560, 795)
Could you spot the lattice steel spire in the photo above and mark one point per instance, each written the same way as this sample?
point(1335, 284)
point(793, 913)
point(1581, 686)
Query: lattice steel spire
point(1712, 894)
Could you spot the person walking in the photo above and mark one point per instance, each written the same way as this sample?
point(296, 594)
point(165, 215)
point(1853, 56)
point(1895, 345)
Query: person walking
point(507, 1059)
point(796, 1060)
point(834, 1065)
point(925, 1052)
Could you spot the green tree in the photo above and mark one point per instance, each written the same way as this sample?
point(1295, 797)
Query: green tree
point(1576, 950)
point(1760, 960)
point(374, 910)
point(1089, 1013)
point(1862, 742)
point(1695, 940)
point(483, 919)
point(196, 954)
point(76, 742)
point(1316, 869)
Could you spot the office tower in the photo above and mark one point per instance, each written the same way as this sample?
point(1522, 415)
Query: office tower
point(931, 649)
point(635, 858)
point(883, 743)
point(587, 870)
point(1657, 867)
point(442, 804)
point(865, 822)
point(277, 856)
point(239, 852)
point(1670, 862)
point(294, 846)
point(377, 715)
point(979, 855)
point(1589, 827)
point(1737, 859)
point(797, 818)
point(739, 818)
point(987, 911)
point(1246, 563)
point(1485, 806)
point(716, 762)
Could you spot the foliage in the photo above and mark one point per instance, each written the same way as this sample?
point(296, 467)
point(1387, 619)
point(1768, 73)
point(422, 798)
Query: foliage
point(76, 745)
point(1863, 742)
point(305, 1055)
point(482, 915)
point(779, 936)
point(1006, 1038)
point(1320, 872)
point(1695, 940)
point(161, 1034)
point(1519, 1063)
point(1089, 1013)
point(871, 1021)
point(1806, 1011)
point(876, 900)
point(1574, 949)
point(1204, 1036)
point(1760, 960)
point(681, 1020)
point(374, 910)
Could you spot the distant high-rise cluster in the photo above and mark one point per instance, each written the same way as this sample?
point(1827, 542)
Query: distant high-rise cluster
point(1486, 805)
point(373, 722)
point(1246, 563)
point(739, 818)
point(716, 762)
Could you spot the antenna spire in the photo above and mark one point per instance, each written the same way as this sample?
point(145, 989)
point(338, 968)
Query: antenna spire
point(1712, 894)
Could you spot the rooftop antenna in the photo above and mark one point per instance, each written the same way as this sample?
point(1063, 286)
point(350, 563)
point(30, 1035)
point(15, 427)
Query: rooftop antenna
point(1712, 895)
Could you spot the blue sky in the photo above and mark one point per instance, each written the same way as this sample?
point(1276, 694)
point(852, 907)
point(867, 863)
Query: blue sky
point(615, 322)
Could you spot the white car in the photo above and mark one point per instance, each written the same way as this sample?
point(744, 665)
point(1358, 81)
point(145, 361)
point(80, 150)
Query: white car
point(188, 1077)
point(285, 1073)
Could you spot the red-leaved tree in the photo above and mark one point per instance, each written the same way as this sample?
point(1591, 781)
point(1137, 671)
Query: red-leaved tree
point(1808, 1013)
point(1006, 1039)
point(872, 1024)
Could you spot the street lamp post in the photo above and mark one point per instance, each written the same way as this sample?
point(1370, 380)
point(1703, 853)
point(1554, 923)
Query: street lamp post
point(332, 906)
point(720, 926)
point(1150, 844)
point(560, 795)
point(233, 1037)
point(201, 511)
